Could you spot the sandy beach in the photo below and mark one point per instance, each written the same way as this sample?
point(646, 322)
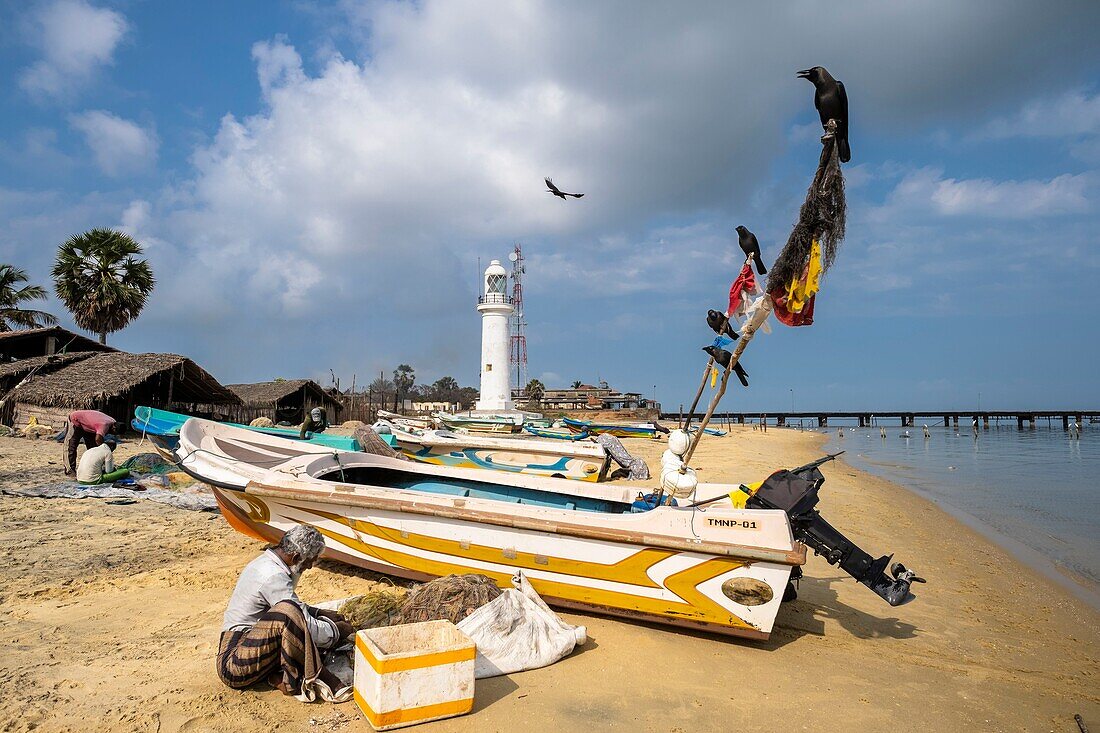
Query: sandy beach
point(111, 619)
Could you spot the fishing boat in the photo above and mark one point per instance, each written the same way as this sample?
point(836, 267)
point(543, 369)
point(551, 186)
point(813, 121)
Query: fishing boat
point(413, 422)
point(163, 427)
point(580, 462)
point(481, 423)
point(709, 431)
point(723, 567)
point(555, 434)
point(645, 430)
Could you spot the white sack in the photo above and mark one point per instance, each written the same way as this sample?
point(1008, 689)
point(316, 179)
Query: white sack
point(518, 631)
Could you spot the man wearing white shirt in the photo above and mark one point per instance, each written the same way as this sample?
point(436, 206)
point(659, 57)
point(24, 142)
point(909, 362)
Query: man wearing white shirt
point(269, 634)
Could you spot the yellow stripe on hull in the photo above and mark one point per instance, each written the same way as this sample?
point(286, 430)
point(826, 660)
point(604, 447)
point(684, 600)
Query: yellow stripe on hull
point(695, 605)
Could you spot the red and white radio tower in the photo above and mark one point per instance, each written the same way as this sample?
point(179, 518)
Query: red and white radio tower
point(518, 323)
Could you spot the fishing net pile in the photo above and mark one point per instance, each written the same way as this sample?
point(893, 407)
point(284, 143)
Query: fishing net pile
point(373, 609)
point(148, 463)
point(262, 422)
point(452, 598)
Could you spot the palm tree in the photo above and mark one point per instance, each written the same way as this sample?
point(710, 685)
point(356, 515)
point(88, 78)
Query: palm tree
point(12, 315)
point(534, 391)
point(403, 380)
point(577, 384)
point(101, 281)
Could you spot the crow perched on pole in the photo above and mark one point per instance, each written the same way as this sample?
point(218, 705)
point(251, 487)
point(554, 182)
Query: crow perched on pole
point(832, 104)
point(720, 324)
point(560, 194)
point(723, 357)
point(751, 248)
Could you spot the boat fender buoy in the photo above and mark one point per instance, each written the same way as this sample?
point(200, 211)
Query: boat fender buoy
point(678, 442)
point(679, 484)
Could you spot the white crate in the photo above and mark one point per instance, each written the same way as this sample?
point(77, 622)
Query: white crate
point(413, 673)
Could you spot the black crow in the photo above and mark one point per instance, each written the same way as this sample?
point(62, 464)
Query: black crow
point(751, 248)
point(722, 357)
point(715, 319)
point(832, 104)
point(560, 194)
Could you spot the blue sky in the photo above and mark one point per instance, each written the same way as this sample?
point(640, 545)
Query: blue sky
point(315, 184)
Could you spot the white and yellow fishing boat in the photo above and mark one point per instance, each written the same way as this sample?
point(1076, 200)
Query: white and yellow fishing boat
point(480, 423)
point(718, 567)
point(557, 459)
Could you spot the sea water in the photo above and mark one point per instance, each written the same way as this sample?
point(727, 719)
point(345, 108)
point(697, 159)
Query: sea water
point(1036, 491)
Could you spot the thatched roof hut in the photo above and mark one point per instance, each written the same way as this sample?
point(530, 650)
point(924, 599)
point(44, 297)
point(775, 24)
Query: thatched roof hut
point(116, 383)
point(35, 342)
point(13, 373)
point(284, 400)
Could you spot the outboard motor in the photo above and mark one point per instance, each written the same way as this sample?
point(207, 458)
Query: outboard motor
point(795, 492)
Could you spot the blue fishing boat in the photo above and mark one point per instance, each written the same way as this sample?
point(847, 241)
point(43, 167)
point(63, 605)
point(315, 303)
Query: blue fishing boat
point(164, 427)
point(619, 431)
point(554, 434)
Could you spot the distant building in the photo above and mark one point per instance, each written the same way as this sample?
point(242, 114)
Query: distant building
point(588, 397)
point(284, 400)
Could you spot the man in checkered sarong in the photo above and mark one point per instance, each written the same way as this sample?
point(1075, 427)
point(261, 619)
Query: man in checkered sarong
point(269, 634)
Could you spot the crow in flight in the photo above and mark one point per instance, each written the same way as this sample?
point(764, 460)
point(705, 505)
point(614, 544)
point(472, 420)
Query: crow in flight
point(832, 104)
point(751, 248)
point(560, 194)
point(723, 357)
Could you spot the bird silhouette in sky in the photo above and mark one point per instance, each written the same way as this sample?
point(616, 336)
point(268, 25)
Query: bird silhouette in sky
point(560, 194)
point(751, 248)
point(832, 104)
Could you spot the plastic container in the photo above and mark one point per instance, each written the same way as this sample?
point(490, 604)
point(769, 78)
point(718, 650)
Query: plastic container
point(413, 673)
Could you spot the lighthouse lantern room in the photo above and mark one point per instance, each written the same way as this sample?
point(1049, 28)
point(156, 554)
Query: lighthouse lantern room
point(495, 307)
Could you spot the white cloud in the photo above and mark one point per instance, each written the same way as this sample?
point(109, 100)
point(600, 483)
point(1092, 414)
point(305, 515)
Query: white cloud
point(119, 146)
point(1071, 114)
point(928, 190)
point(76, 39)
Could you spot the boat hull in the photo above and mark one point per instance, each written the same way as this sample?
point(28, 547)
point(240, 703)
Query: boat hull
point(512, 460)
point(478, 426)
point(618, 431)
point(726, 594)
point(588, 462)
point(166, 425)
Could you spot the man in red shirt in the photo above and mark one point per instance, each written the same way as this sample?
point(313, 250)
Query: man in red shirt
point(90, 426)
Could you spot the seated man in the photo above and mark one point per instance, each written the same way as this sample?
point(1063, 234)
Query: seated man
point(269, 634)
point(89, 426)
point(316, 421)
point(97, 465)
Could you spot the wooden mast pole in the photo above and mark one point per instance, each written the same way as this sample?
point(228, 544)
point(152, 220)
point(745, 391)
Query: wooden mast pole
point(710, 363)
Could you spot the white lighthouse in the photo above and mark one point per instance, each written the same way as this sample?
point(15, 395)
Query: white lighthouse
point(495, 307)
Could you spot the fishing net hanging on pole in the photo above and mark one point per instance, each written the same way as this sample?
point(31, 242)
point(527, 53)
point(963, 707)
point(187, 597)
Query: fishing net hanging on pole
point(822, 217)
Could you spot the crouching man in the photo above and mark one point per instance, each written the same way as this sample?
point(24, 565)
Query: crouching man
point(97, 465)
point(269, 634)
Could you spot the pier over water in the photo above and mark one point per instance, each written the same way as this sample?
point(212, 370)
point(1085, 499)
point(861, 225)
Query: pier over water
point(1023, 418)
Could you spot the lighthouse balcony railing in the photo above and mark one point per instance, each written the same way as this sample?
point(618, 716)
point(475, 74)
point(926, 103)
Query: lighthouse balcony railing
point(496, 298)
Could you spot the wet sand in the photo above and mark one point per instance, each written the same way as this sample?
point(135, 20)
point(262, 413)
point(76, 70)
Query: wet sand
point(111, 617)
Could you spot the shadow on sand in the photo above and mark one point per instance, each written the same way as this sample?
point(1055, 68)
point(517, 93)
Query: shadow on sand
point(818, 601)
